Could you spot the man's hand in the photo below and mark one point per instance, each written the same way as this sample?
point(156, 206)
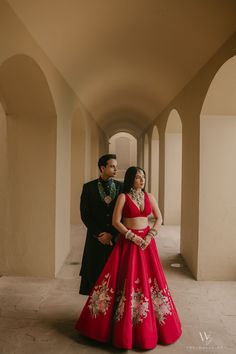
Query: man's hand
point(105, 238)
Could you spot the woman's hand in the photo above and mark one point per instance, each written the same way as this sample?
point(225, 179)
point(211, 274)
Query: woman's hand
point(147, 241)
point(138, 240)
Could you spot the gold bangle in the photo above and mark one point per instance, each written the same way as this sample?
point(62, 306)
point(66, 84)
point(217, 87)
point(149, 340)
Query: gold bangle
point(129, 235)
point(153, 232)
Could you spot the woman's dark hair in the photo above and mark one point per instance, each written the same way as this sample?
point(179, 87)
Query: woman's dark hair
point(130, 176)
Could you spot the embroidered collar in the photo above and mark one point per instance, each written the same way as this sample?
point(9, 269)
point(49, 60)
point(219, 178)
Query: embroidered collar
point(107, 198)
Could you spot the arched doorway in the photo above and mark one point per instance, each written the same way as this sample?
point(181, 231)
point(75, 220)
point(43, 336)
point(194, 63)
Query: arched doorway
point(217, 194)
point(155, 163)
point(173, 169)
point(28, 241)
point(124, 145)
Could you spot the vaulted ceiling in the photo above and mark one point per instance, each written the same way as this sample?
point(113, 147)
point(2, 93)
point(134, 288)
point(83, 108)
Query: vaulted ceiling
point(127, 59)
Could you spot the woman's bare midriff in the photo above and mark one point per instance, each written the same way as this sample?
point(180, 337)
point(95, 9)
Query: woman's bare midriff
point(136, 223)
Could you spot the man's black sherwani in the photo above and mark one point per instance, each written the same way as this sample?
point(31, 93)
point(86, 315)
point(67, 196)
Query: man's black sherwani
point(97, 216)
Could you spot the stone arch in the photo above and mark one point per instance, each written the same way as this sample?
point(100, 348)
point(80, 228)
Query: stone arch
point(217, 193)
point(124, 145)
point(155, 162)
point(173, 169)
point(29, 238)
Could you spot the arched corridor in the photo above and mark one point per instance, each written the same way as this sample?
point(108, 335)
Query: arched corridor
point(144, 80)
point(124, 145)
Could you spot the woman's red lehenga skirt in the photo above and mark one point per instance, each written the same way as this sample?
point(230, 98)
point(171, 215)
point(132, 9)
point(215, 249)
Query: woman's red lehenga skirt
point(130, 304)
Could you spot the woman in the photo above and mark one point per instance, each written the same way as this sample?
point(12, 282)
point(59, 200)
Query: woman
point(130, 304)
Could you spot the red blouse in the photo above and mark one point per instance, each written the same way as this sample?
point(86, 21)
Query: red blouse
point(131, 210)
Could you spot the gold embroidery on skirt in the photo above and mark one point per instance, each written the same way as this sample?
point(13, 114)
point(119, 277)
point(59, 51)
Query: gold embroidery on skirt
point(139, 305)
point(120, 304)
point(161, 301)
point(100, 299)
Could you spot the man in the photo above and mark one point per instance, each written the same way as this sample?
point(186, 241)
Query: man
point(97, 203)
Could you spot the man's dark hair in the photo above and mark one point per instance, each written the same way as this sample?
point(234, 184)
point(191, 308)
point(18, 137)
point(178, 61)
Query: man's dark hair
point(103, 160)
point(130, 176)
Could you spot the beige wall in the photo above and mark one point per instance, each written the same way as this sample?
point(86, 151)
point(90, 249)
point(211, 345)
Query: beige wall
point(78, 155)
point(31, 169)
point(155, 163)
point(4, 194)
point(172, 202)
point(103, 143)
point(88, 142)
point(146, 160)
point(140, 152)
point(173, 167)
point(189, 104)
point(51, 232)
point(217, 204)
point(93, 160)
point(217, 216)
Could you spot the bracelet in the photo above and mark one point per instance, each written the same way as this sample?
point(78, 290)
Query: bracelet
point(153, 232)
point(129, 235)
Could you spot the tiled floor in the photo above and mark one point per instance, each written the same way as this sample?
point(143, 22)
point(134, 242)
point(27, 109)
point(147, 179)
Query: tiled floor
point(37, 316)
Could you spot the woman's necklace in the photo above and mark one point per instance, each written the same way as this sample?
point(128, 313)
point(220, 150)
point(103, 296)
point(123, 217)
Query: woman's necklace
point(137, 197)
